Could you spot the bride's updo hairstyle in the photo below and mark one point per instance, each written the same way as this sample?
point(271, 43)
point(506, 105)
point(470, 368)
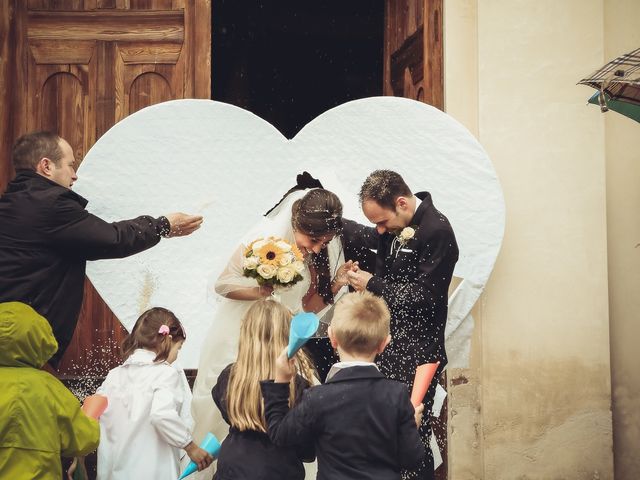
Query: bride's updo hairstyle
point(318, 213)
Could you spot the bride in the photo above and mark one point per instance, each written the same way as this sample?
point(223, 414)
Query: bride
point(308, 216)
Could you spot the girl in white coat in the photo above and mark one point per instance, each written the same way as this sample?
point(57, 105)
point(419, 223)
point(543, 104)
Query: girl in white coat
point(147, 421)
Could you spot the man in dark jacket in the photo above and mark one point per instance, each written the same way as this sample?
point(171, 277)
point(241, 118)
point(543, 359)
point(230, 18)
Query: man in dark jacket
point(415, 253)
point(47, 236)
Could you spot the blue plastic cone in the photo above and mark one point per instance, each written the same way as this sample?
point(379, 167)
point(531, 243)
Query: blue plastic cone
point(303, 326)
point(211, 445)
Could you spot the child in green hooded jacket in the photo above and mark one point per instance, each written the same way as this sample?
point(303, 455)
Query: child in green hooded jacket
point(40, 419)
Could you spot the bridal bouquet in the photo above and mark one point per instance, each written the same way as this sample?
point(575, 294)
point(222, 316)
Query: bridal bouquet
point(273, 262)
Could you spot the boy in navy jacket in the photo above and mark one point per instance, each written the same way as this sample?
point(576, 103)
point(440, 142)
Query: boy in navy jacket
point(363, 425)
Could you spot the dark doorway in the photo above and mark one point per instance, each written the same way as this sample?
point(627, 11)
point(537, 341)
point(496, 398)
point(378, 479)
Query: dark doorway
point(288, 61)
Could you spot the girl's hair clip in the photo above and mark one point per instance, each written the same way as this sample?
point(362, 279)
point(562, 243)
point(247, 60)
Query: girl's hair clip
point(163, 330)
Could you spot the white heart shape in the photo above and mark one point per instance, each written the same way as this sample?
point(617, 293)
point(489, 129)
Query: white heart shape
point(207, 157)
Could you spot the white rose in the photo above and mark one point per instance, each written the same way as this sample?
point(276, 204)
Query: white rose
point(251, 263)
point(298, 266)
point(284, 246)
point(286, 274)
point(285, 260)
point(407, 233)
point(257, 245)
point(267, 271)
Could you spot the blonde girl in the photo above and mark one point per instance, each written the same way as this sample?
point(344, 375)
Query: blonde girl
point(247, 451)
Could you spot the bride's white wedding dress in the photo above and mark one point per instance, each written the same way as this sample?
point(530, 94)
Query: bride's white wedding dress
point(220, 347)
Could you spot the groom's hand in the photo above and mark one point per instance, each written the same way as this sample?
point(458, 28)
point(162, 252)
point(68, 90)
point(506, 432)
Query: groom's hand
point(359, 279)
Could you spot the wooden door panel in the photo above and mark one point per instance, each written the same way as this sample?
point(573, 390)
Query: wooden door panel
point(52, 5)
point(108, 26)
point(80, 66)
point(142, 83)
point(147, 89)
point(413, 48)
point(407, 65)
point(62, 107)
point(136, 53)
point(58, 86)
point(62, 52)
point(151, 4)
point(433, 82)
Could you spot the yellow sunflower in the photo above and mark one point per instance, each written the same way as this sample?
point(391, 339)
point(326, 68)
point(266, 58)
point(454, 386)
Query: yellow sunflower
point(270, 254)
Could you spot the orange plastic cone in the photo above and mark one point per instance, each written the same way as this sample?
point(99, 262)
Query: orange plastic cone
point(94, 406)
point(424, 375)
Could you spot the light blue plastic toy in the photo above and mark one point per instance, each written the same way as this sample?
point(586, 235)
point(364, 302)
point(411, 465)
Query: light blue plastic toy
point(303, 326)
point(211, 445)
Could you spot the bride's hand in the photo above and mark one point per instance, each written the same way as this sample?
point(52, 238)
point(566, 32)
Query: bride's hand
point(341, 279)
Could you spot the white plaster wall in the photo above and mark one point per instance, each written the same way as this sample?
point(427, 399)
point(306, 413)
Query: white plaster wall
point(622, 140)
point(465, 437)
point(537, 392)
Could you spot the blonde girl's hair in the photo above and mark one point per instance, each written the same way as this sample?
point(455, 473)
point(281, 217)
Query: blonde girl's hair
point(146, 333)
point(264, 333)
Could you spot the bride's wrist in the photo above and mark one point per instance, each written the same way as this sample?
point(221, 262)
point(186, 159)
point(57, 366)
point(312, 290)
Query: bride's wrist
point(264, 291)
point(337, 284)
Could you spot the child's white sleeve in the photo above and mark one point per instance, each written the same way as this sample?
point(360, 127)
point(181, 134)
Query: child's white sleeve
point(165, 406)
point(104, 388)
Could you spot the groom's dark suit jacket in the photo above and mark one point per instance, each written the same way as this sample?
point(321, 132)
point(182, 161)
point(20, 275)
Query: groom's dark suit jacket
point(413, 279)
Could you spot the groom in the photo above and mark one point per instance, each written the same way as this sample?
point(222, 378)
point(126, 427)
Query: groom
point(408, 259)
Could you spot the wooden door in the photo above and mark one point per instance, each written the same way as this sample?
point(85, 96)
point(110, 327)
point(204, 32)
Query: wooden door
point(413, 53)
point(77, 67)
point(413, 68)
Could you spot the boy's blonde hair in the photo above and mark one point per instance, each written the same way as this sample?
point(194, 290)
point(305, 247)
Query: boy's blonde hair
point(264, 333)
point(360, 322)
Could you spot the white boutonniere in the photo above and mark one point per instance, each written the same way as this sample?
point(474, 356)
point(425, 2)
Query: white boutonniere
point(402, 238)
point(405, 235)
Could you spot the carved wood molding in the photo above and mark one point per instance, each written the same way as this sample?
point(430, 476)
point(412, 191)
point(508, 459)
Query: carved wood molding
point(62, 52)
point(155, 53)
point(410, 56)
point(114, 25)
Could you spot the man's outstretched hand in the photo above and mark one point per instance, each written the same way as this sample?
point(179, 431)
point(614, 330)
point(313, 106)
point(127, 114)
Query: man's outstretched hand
point(183, 224)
